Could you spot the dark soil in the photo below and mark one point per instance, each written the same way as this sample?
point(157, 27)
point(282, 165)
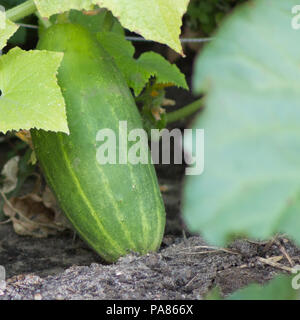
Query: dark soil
point(63, 267)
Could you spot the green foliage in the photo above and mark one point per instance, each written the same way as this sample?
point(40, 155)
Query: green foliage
point(251, 181)
point(48, 8)
point(20, 36)
point(206, 15)
point(10, 3)
point(155, 20)
point(95, 23)
point(6, 33)
point(280, 288)
point(31, 96)
point(138, 72)
point(123, 52)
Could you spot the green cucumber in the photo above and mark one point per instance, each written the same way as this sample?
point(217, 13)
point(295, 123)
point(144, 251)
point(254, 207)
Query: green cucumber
point(116, 208)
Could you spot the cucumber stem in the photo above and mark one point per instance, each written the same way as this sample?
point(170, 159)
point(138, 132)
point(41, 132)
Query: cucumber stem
point(21, 11)
point(45, 22)
point(184, 112)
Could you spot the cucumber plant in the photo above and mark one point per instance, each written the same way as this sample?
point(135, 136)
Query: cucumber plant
point(115, 208)
point(250, 186)
point(89, 68)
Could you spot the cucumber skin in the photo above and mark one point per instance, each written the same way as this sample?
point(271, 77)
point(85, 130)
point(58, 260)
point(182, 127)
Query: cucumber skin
point(118, 208)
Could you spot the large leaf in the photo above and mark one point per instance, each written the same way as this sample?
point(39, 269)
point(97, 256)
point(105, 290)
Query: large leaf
point(158, 20)
point(163, 70)
point(31, 97)
point(137, 72)
point(95, 22)
point(123, 51)
point(2, 17)
point(282, 287)
point(49, 7)
point(251, 181)
point(279, 288)
point(5, 34)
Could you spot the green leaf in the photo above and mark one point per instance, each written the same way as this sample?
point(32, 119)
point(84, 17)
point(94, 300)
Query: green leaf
point(157, 20)
point(49, 7)
point(138, 72)
point(162, 69)
point(95, 22)
point(251, 181)
point(6, 33)
point(280, 288)
point(31, 97)
point(123, 51)
point(2, 18)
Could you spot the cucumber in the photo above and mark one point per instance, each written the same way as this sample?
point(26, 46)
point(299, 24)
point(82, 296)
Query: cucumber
point(116, 208)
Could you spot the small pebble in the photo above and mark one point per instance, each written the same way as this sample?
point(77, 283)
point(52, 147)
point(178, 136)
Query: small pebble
point(37, 296)
point(2, 285)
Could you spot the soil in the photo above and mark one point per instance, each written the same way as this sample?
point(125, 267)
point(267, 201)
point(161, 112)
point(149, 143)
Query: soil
point(64, 267)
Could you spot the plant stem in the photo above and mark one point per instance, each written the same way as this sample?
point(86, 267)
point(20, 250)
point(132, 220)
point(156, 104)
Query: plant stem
point(23, 10)
point(184, 112)
point(45, 22)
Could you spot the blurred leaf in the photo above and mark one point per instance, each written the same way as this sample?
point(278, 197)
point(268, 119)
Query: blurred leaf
point(214, 294)
point(279, 288)
point(251, 181)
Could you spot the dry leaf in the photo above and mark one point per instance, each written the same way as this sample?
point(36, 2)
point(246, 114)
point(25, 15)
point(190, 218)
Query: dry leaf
point(25, 136)
point(91, 12)
point(10, 173)
point(169, 103)
point(35, 216)
point(156, 112)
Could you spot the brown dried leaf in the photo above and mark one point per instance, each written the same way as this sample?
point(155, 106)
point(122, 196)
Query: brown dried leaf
point(25, 136)
point(157, 112)
point(10, 172)
point(30, 216)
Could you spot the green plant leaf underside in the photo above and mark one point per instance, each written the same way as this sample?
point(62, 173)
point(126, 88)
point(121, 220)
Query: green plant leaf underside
point(251, 181)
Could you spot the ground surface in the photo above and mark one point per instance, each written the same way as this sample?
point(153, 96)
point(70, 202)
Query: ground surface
point(186, 267)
